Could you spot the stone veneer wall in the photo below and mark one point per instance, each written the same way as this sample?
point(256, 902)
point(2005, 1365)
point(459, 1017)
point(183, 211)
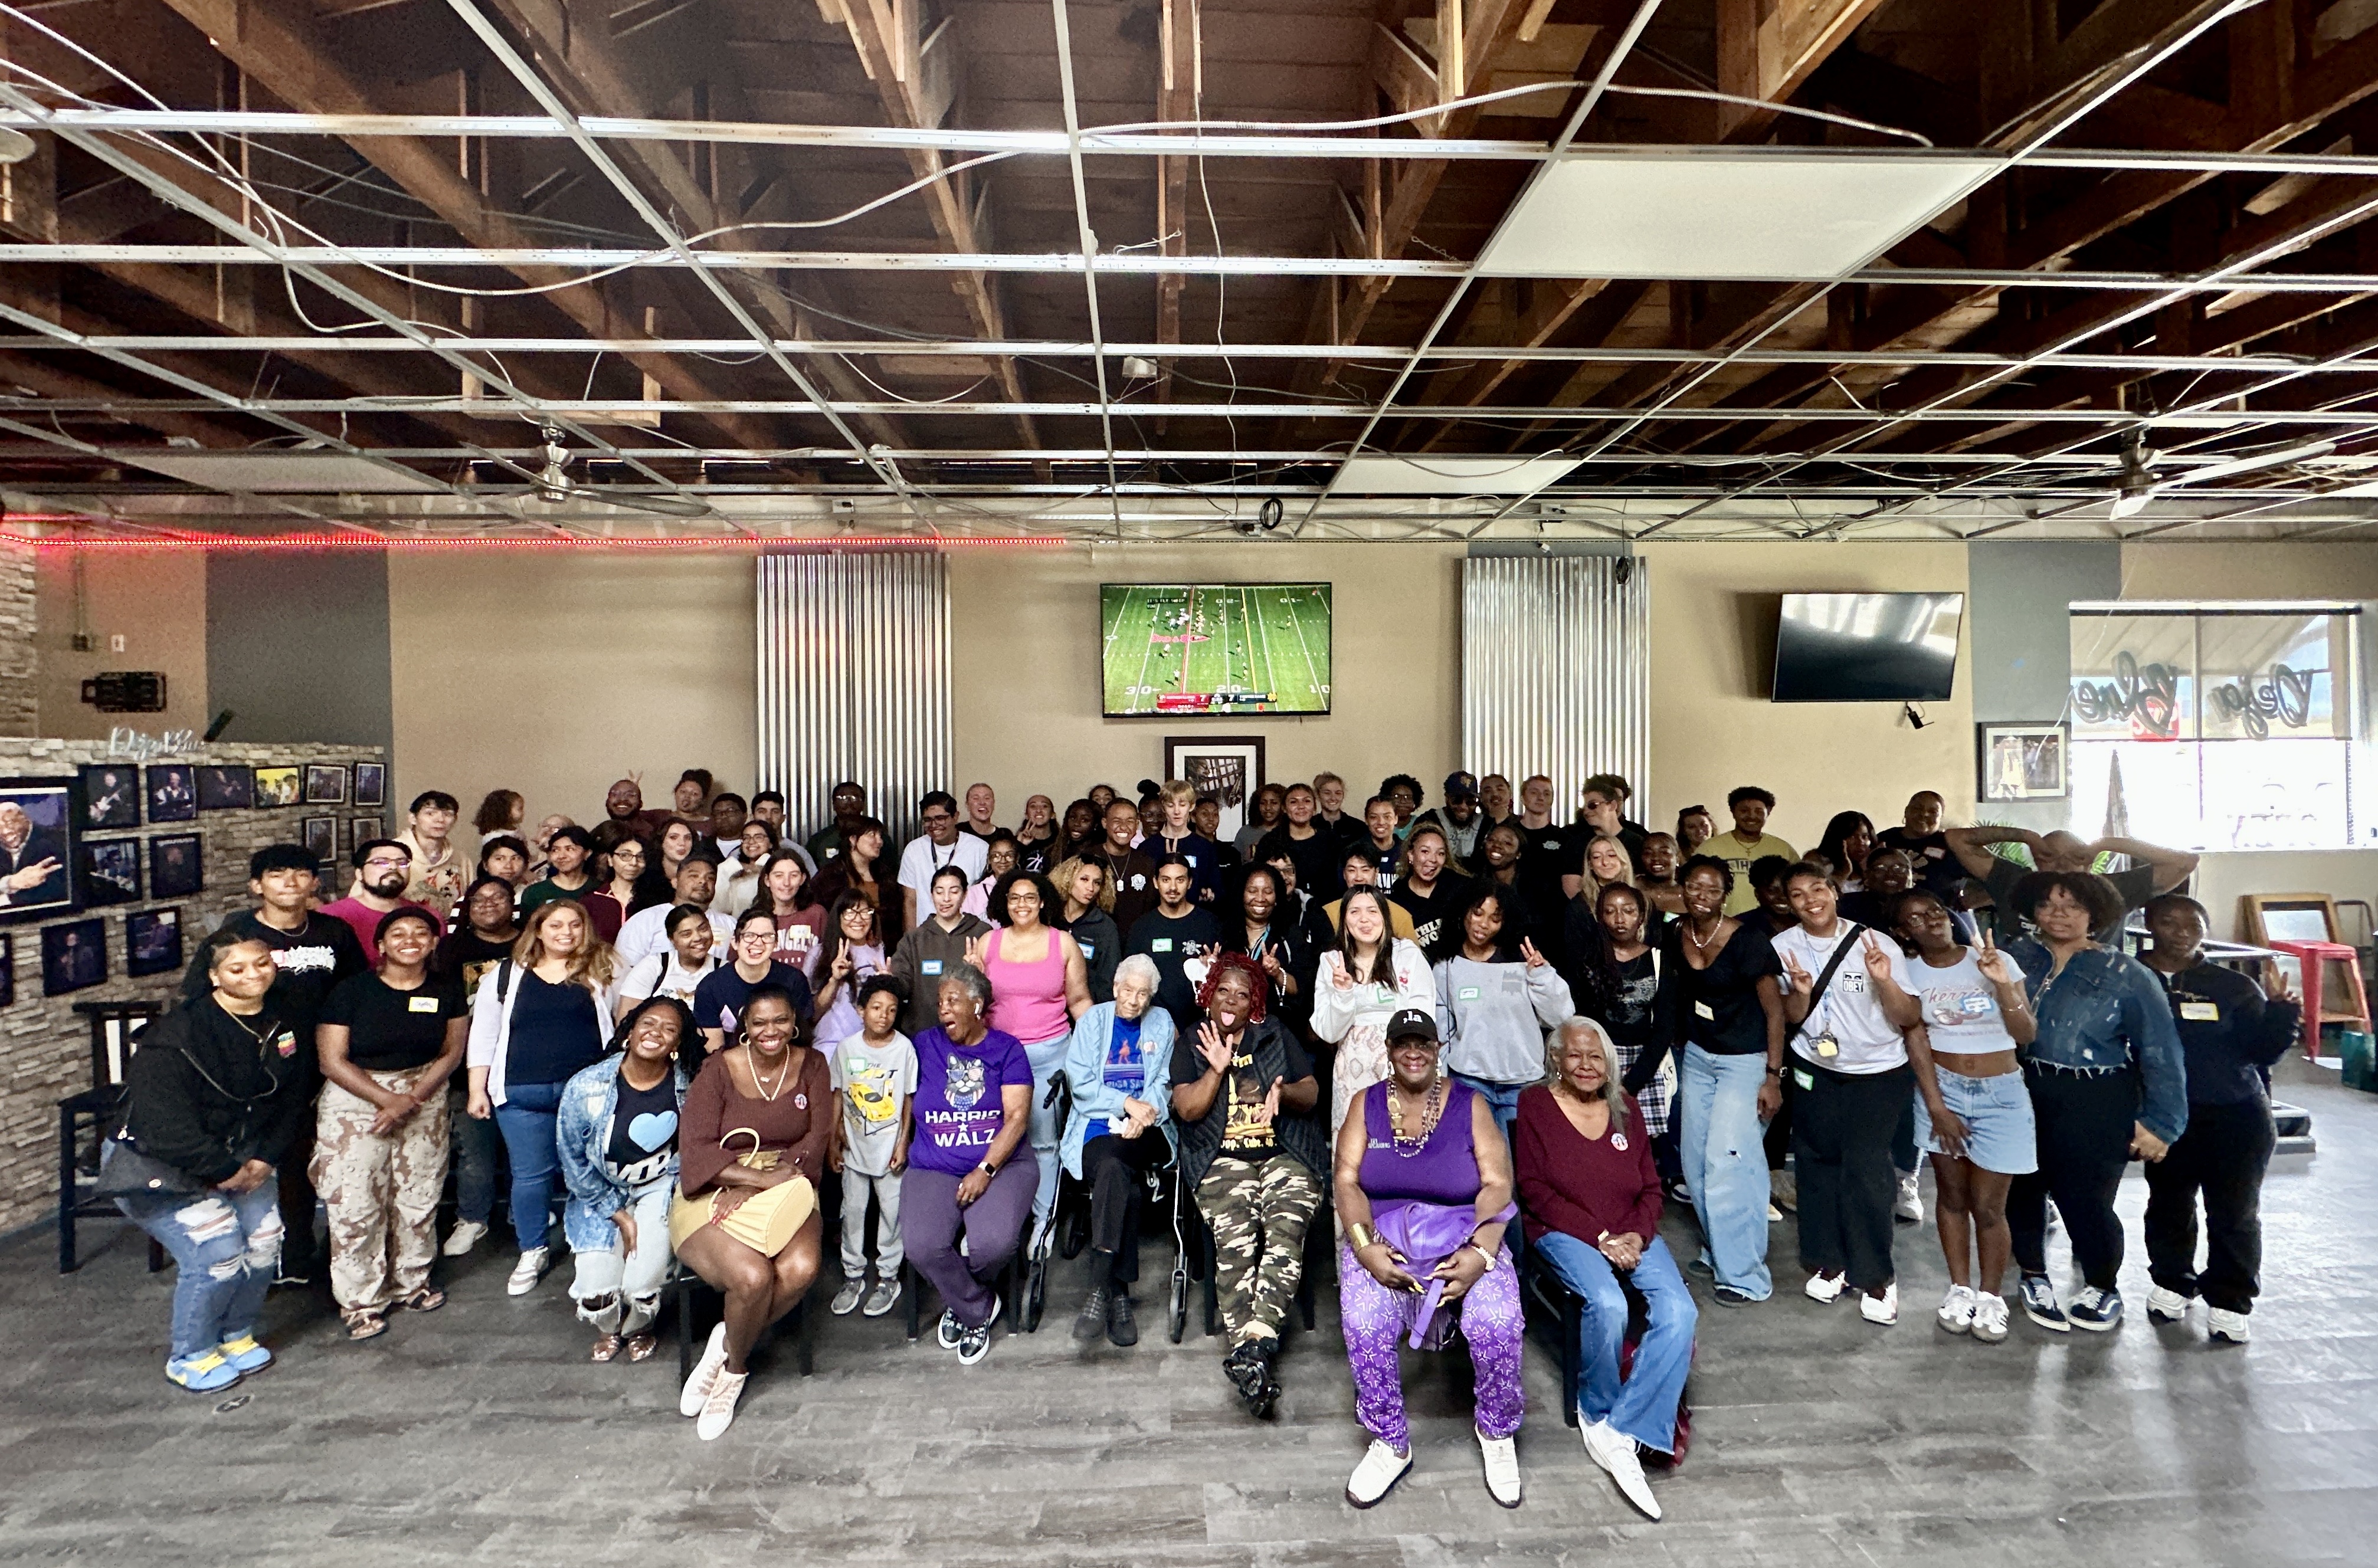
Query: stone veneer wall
point(18, 669)
point(44, 1043)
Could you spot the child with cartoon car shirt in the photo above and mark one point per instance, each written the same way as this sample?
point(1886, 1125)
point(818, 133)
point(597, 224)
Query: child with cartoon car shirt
point(875, 1078)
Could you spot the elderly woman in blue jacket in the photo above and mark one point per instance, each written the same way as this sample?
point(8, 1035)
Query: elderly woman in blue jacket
point(616, 1139)
point(2108, 1082)
point(1118, 1066)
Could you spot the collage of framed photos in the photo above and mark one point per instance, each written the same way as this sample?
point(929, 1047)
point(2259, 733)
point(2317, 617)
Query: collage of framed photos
point(60, 852)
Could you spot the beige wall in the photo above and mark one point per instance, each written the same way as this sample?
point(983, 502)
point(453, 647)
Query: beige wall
point(2249, 571)
point(1713, 609)
point(555, 672)
point(1026, 687)
point(156, 600)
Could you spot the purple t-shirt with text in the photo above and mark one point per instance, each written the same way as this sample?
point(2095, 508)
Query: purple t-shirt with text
point(957, 1104)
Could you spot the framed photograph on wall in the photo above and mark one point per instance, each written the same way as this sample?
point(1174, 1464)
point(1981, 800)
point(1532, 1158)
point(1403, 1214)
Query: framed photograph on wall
point(8, 970)
point(2018, 761)
point(226, 788)
point(111, 872)
point(74, 956)
point(152, 942)
point(40, 840)
point(111, 797)
point(172, 789)
point(176, 868)
point(321, 836)
point(363, 830)
point(1230, 768)
point(371, 784)
point(326, 783)
point(276, 787)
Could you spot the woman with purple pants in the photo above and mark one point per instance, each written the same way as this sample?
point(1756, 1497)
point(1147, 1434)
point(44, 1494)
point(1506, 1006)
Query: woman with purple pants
point(1423, 1182)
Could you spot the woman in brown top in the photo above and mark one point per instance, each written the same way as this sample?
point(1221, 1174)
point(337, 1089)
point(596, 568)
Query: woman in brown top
point(772, 1094)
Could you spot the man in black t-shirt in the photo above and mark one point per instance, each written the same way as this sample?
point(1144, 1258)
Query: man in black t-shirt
point(2153, 868)
point(1129, 872)
point(1546, 850)
point(311, 952)
point(1180, 938)
point(1919, 837)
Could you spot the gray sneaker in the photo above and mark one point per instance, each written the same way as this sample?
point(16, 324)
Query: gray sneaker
point(845, 1300)
point(883, 1298)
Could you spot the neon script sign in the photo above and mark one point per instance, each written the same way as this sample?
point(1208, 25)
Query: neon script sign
point(2146, 696)
point(2286, 696)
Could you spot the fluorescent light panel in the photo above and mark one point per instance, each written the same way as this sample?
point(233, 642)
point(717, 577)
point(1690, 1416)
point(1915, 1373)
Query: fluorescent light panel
point(1451, 475)
point(268, 472)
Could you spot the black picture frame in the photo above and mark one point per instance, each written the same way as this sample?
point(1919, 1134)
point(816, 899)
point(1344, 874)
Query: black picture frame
point(326, 785)
point(226, 788)
point(178, 865)
point(320, 835)
point(1218, 765)
point(371, 785)
point(152, 942)
point(52, 832)
point(110, 794)
point(111, 869)
point(278, 787)
point(363, 830)
point(74, 956)
point(172, 790)
point(2022, 760)
point(7, 969)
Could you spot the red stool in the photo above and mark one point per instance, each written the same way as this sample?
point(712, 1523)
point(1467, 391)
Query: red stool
point(2315, 957)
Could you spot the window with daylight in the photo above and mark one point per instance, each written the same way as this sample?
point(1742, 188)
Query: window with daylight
point(2219, 726)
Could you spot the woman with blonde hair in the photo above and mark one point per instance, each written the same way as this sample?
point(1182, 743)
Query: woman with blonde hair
point(540, 1017)
point(1087, 916)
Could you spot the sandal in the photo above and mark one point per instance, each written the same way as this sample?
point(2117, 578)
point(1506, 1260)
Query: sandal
point(642, 1346)
point(428, 1298)
point(364, 1323)
point(606, 1349)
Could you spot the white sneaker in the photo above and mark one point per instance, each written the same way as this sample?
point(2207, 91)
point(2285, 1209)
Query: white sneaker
point(697, 1384)
point(1502, 1456)
point(463, 1237)
point(526, 1272)
point(1990, 1317)
point(2229, 1328)
point(1882, 1310)
point(718, 1406)
point(1774, 1215)
point(1822, 1287)
point(1910, 1206)
point(1956, 1312)
point(1381, 1468)
point(2168, 1306)
point(845, 1300)
point(1615, 1451)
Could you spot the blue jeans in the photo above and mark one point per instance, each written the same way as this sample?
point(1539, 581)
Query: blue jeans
point(527, 1120)
point(474, 1160)
point(1643, 1405)
point(226, 1247)
point(1048, 1060)
point(1503, 1101)
point(1725, 1164)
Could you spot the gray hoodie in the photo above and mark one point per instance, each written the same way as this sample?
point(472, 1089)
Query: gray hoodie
point(1494, 1017)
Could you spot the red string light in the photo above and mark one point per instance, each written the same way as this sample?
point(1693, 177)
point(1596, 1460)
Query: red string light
point(452, 541)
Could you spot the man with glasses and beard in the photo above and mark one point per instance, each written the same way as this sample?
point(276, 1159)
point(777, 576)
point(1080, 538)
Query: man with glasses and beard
point(383, 868)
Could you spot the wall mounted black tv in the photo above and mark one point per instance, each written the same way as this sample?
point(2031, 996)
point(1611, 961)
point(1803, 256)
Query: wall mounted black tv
point(1866, 647)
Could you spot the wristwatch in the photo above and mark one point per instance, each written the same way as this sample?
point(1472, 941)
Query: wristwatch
point(987, 1168)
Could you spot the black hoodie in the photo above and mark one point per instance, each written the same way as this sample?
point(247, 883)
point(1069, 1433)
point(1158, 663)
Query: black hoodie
point(208, 1092)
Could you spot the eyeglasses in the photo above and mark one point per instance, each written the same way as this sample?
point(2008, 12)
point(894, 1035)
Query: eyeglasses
point(387, 863)
point(938, 816)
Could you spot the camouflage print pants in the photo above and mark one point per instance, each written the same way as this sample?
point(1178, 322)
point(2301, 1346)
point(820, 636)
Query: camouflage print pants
point(382, 1193)
point(1257, 1214)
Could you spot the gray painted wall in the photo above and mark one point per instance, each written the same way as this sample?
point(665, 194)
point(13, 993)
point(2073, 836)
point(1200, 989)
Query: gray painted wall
point(2019, 600)
point(297, 645)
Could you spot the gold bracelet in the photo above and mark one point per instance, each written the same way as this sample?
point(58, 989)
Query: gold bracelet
point(1362, 1236)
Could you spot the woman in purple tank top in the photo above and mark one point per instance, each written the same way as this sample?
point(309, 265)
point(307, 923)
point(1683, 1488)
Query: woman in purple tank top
point(1423, 1181)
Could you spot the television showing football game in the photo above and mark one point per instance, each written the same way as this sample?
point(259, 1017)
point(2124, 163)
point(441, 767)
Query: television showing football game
point(1177, 650)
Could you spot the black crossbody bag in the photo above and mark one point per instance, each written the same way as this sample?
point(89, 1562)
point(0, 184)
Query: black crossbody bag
point(1817, 992)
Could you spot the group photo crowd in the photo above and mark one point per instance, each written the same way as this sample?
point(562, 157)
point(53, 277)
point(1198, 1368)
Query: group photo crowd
point(1445, 1055)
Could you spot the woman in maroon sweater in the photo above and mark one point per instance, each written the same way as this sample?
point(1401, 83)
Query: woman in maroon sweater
point(770, 1095)
point(1590, 1198)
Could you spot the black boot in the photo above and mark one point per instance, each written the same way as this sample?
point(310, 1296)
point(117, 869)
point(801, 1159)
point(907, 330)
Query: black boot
point(1123, 1329)
point(1261, 1404)
point(1244, 1367)
point(1092, 1319)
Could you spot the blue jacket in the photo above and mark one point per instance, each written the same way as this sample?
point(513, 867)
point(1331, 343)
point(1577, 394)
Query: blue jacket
point(2107, 1009)
point(581, 1137)
point(1086, 1071)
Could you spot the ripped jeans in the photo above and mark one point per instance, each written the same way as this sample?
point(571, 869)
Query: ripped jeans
point(226, 1247)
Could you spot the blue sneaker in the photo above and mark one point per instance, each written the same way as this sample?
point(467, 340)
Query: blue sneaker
point(2096, 1309)
point(244, 1354)
point(206, 1373)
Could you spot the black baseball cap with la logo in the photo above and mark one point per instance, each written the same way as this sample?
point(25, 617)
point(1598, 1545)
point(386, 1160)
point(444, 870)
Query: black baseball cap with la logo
point(1413, 1023)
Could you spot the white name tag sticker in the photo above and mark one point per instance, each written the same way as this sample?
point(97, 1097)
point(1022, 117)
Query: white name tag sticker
point(1467, 993)
point(421, 1004)
point(1705, 1010)
point(2201, 1012)
point(1162, 944)
point(930, 966)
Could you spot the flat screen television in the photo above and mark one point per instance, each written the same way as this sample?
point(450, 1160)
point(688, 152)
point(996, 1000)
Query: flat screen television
point(1179, 650)
point(1866, 647)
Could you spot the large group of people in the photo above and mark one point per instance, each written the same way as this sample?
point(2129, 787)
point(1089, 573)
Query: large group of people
point(1489, 1040)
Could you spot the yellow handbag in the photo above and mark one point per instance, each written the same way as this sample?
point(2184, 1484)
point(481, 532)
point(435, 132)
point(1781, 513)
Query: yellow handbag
point(764, 1221)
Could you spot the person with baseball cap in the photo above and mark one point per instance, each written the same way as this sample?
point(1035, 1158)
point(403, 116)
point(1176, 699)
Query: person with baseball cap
point(1461, 817)
point(1423, 1189)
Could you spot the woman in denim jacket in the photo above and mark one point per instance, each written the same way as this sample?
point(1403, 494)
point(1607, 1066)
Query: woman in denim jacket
point(620, 1173)
point(2108, 1081)
point(1119, 1068)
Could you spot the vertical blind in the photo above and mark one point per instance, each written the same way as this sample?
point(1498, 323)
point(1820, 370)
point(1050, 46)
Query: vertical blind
point(1556, 670)
point(854, 660)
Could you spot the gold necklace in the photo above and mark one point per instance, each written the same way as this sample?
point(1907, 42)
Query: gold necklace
point(1432, 1111)
point(767, 1094)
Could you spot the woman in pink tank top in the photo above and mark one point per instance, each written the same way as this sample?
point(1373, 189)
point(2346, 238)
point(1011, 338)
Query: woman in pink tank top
point(1040, 984)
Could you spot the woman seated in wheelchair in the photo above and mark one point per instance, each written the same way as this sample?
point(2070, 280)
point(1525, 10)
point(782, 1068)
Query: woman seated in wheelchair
point(1118, 1069)
point(617, 1137)
point(1590, 1199)
point(757, 1127)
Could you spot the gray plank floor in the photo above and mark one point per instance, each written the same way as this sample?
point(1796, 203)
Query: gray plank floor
point(482, 1435)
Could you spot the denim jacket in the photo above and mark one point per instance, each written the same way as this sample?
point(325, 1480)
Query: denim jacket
point(2107, 1011)
point(1086, 1073)
point(583, 1137)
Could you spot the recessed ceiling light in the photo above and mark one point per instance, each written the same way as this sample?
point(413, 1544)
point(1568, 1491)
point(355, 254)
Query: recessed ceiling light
point(283, 472)
point(1731, 215)
point(1451, 475)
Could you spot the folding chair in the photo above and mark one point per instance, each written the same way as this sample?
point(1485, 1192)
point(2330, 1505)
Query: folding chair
point(683, 1285)
point(84, 1119)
